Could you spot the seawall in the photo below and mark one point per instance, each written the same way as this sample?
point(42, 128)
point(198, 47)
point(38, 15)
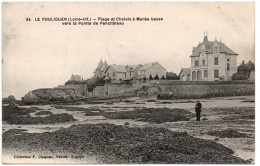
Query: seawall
point(206, 89)
point(180, 89)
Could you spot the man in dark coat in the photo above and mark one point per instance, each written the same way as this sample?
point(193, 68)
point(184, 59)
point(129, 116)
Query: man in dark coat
point(198, 110)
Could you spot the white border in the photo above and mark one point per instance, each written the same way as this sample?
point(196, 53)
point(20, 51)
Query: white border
point(257, 47)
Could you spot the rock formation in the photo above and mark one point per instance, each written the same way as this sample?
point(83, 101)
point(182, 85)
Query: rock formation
point(9, 99)
point(52, 94)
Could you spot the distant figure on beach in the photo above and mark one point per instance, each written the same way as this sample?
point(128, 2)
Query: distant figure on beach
point(198, 107)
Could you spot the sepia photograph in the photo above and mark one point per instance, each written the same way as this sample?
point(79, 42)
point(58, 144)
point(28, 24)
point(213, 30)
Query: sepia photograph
point(128, 82)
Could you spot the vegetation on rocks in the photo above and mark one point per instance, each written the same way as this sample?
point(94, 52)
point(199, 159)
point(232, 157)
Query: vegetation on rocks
point(15, 115)
point(228, 133)
point(11, 112)
point(68, 108)
point(88, 111)
point(93, 113)
point(44, 113)
point(123, 144)
point(152, 115)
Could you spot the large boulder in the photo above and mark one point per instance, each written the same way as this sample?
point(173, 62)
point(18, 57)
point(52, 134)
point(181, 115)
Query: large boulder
point(50, 95)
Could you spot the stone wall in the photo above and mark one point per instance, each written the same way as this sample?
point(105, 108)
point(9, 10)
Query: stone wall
point(114, 89)
point(180, 89)
point(208, 89)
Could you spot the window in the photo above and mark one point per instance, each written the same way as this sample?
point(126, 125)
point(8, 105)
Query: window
point(216, 49)
point(114, 74)
point(227, 60)
point(196, 63)
point(216, 61)
point(203, 62)
point(125, 74)
point(205, 73)
point(228, 66)
point(107, 74)
point(216, 74)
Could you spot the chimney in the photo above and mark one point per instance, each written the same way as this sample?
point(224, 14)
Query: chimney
point(205, 40)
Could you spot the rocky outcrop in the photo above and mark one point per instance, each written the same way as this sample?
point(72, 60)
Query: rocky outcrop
point(9, 99)
point(52, 95)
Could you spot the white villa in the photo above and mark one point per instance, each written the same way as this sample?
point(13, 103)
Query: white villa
point(210, 61)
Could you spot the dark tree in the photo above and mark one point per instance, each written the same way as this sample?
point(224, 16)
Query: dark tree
point(243, 71)
point(156, 77)
point(163, 78)
point(94, 81)
point(172, 76)
point(150, 77)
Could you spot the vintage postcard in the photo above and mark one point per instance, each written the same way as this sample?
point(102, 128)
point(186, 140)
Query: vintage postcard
point(128, 82)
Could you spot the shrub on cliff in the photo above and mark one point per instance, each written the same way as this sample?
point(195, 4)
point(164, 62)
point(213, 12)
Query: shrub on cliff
point(93, 82)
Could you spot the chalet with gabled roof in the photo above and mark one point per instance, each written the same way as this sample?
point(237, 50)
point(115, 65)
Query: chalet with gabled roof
point(212, 61)
point(126, 73)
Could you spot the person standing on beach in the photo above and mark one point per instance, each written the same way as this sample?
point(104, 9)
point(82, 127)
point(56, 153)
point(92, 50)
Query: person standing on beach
point(198, 107)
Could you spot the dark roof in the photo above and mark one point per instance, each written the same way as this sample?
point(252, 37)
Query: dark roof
point(223, 48)
point(132, 67)
point(209, 47)
point(147, 66)
point(100, 64)
point(119, 68)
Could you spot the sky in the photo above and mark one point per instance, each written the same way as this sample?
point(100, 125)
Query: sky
point(37, 54)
